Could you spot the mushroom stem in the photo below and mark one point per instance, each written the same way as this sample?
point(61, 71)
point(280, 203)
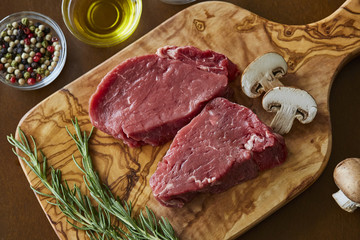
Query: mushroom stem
point(269, 82)
point(289, 103)
point(344, 202)
point(284, 119)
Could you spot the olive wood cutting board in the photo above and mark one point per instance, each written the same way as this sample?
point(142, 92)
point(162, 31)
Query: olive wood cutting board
point(314, 52)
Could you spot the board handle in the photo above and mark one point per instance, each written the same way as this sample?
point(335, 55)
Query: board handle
point(343, 27)
point(347, 15)
point(336, 36)
point(351, 6)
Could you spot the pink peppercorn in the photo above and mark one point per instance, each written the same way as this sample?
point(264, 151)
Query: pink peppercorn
point(27, 41)
point(50, 49)
point(36, 58)
point(13, 79)
point(38, 77)
point(31, 81)
point(27, 31)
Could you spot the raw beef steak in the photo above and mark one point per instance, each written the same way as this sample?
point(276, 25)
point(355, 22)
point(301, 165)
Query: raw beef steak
point(221, 147)
point(147, 99)
point(205, 60)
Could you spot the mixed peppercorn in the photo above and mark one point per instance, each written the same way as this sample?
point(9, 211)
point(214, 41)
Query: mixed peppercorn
point(28, 52)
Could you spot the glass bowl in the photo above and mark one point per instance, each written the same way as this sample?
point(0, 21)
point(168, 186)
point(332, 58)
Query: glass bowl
point(101, 23)
point(54, 29)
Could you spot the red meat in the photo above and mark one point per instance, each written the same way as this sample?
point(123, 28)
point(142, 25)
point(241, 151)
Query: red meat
point(224, 145)
point(147, 99)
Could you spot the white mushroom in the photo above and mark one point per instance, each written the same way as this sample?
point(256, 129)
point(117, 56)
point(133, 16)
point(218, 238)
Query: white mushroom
point(289, 103)
point(347, 179)
point(263, 74)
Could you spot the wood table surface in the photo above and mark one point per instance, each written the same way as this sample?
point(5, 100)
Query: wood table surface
point(311, 215)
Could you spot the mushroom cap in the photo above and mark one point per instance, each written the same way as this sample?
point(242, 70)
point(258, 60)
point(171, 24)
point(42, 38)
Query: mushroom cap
point(299, 100)
point(264, 70)
point(347, 178)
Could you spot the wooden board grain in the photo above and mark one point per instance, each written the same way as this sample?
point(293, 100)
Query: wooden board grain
point(314, 52)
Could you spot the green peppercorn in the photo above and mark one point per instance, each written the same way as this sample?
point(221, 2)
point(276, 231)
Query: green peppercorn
point(9, 26)
point(3, 34)
point(14, 63)
point(26, 75)
point(45, 44)
point(25, 21)
point(32, 28)
point(40, 34)
point(42, 60)
point(47, 72)
point(8, 55)
point(40, 70)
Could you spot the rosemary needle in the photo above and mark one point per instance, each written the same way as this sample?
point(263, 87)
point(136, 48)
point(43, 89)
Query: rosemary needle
point(96, 221)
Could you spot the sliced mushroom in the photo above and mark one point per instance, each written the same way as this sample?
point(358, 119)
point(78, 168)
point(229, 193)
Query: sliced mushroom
point(347, 179)
point(263, 74)
point(289, 103)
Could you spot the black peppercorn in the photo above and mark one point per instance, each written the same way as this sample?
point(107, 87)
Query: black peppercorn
point(34, 65)
point(46, 30)
point(39, 39)
point(21, 34)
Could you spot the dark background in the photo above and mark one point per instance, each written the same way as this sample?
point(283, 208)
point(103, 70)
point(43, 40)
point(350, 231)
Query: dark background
point(311, 215)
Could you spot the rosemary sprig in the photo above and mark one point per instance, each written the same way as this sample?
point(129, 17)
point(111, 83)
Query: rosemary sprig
point(96, 221)
point(145, 226)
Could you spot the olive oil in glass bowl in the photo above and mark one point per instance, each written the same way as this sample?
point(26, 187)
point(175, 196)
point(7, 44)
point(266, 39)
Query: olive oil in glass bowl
point(101, 23)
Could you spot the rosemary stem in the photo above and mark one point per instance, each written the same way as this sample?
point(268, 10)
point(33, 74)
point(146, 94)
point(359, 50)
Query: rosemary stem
point(95, 221)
